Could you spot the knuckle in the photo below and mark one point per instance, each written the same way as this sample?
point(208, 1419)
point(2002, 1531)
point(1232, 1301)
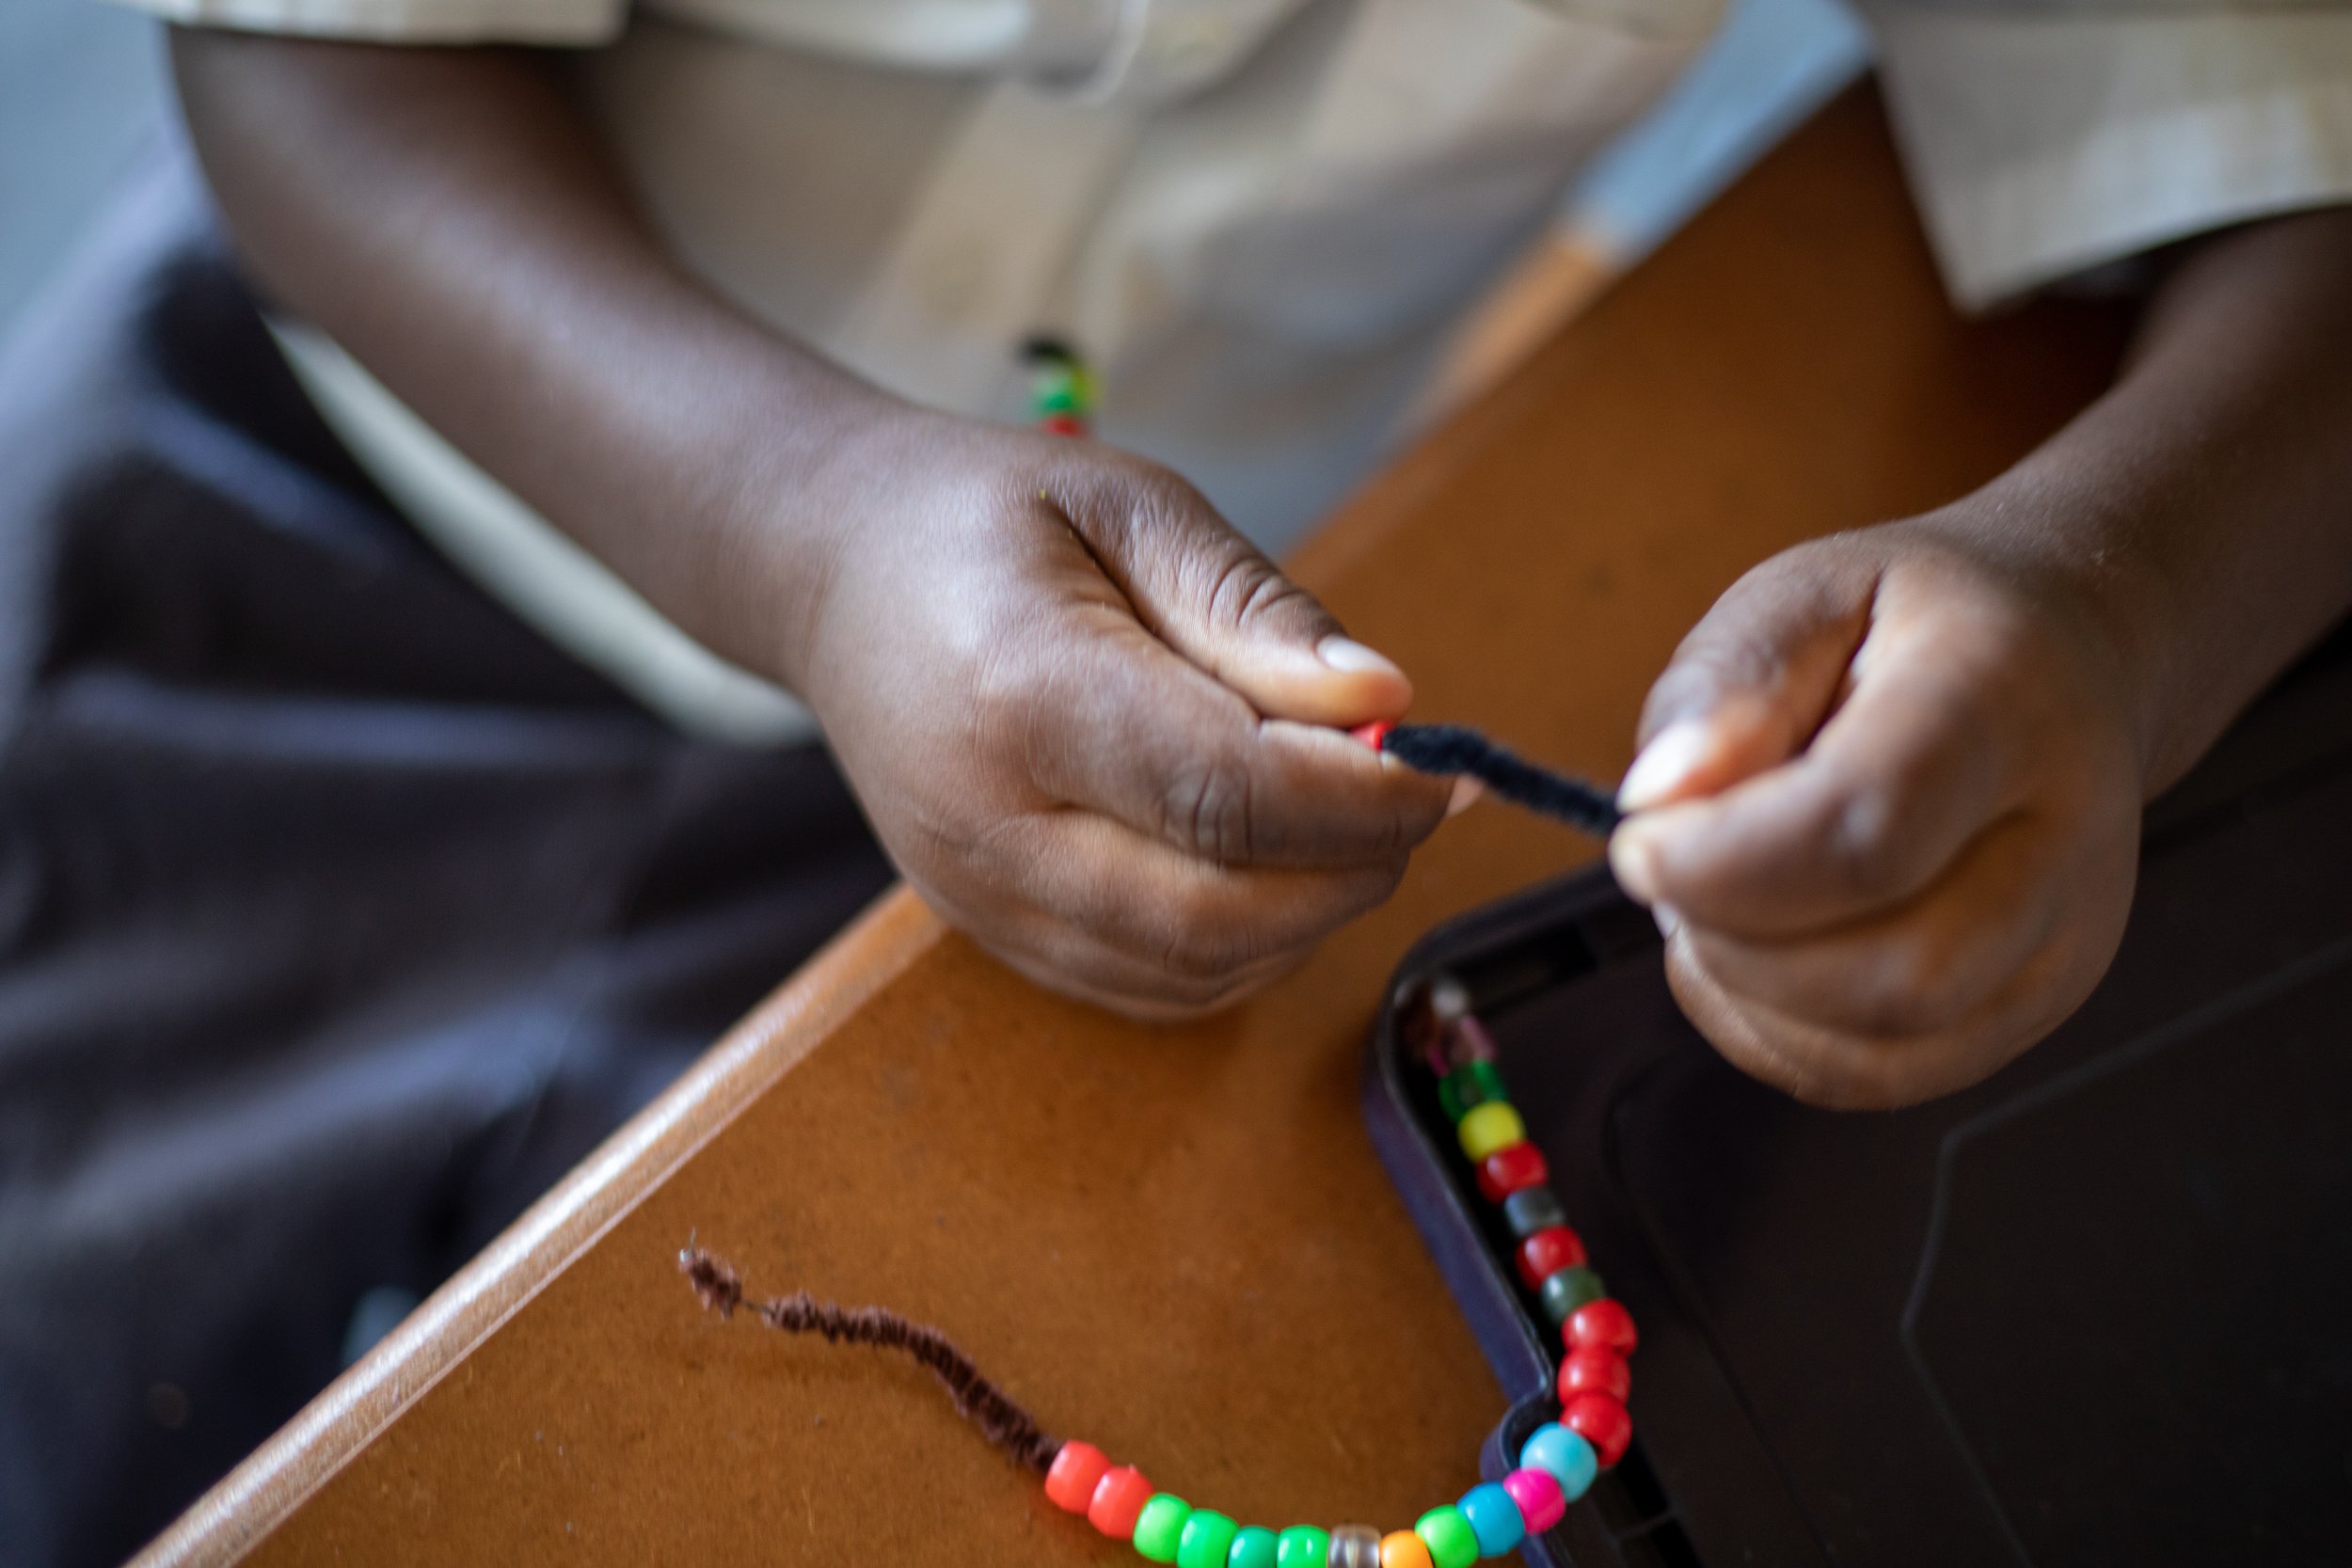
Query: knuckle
point(1207, 810)
point(1245, 590)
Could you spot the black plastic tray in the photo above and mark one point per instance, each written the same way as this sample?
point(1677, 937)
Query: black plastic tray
point(2097, 1310)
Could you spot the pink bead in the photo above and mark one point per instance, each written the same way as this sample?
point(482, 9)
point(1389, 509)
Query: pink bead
point(1077, 1471)
point(1538, 1497)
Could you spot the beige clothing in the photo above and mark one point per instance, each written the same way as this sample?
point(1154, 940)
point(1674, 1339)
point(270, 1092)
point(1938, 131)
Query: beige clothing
point(1258, 217)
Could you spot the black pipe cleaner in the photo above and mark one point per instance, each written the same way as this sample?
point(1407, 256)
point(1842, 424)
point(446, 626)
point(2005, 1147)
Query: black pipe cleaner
point(1450, 750)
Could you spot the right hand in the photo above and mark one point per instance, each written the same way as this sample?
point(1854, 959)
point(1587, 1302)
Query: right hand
point(1093, 726)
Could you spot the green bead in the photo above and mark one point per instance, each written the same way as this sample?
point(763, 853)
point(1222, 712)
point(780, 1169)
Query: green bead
point(1063, 399)
point(1302, 1547)
point(1476, 1084)
point(1254, 1547)
point(1570, 1289)
point(1450, 1098)
point(1208, 1537)
point(1160, 1527)
point(1450, 1540)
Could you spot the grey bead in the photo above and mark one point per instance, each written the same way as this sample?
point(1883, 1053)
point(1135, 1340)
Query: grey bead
point(1353, 1547)
point(1570, 1289)
point(1533, 1209)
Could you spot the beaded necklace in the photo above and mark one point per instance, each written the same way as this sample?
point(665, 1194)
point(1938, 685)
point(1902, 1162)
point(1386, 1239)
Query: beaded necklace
point(1556, 1465)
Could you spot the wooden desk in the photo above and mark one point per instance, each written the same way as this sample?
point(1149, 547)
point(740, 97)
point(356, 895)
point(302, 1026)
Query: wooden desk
point(1173, 1241)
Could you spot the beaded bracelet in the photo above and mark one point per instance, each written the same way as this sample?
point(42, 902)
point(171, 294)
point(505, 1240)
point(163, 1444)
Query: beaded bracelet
point(1061, 388)
point(1556, 1465)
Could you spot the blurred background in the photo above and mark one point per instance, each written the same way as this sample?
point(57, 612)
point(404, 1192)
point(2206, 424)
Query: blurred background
point(81, 90)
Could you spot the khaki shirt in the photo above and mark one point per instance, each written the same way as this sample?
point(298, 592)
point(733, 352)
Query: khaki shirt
point(1259, 218)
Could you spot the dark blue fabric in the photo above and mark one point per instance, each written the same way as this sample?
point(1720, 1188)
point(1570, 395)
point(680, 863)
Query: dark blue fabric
point(340, 914)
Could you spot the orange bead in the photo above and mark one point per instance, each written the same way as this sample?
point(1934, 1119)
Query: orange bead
point(1119, 1497)
point(1077, 1471)
point(1404, 1549)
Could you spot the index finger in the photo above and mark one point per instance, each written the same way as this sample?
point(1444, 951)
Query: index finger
point(1121, 725)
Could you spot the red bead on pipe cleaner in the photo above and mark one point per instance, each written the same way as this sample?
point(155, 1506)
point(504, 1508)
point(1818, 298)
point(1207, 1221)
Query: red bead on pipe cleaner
point(1376, 734)
point(1076, 1471)
point(1603, 1325)
point(1510, 1169)
point(1547, 1252)
point(1063, 424)
point(1595, 1371)
point(1600, 1421)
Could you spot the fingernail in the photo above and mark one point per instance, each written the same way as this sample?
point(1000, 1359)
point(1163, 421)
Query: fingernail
point(1664, 763)
point(1632, 857)
point(1465, 792)
point(1669, 921)
point(1351, 658)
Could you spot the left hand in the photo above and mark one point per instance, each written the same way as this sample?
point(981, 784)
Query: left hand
point(1887, 811)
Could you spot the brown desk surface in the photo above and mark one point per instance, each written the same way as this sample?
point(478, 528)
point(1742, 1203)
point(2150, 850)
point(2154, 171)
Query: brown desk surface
point(1173, 1241)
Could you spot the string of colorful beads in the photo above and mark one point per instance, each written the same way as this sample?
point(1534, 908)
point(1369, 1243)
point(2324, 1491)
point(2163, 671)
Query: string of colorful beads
point(1597, 1335)
point(1557, 1463)
point(1061, 388)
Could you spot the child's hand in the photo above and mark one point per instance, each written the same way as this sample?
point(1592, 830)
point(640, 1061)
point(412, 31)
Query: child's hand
point(1887, 811)
point(1093, 725)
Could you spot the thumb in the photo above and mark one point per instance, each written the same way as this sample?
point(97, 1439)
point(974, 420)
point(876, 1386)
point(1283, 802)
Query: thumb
point(1754, 681)
point(1207, 592)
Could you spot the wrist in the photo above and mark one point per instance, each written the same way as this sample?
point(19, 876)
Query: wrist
point(2080, 562)
point(786, 484)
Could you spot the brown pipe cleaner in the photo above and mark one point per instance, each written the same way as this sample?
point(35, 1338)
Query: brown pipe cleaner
point(989, 1408)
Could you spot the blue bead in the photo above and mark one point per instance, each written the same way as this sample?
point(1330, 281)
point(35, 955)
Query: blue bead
point(1494, 1518)
point(1568, 1458)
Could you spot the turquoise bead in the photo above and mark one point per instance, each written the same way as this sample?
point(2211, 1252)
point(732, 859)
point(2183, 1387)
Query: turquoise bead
point(1570, 1289)
point(1494, 1517)
point(1450, 1540)
point(1208, 1537)
point(1254, 1547)
point(1565, 1455)
point(1302, 1547)
point(1160, 1527)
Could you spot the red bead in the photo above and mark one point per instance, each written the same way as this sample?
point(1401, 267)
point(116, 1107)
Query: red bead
point(1600, 1421)
point(1375, 734)
point(1547, 1252)
point(1063, 424)
point(1595, 1371)
point(1119, 1497)
point(1507, 1170)
point(1602, 1324)
point(1077, 1471)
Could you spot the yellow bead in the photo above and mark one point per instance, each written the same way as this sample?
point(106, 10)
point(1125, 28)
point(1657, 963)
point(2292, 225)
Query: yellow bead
point(1490, 1127)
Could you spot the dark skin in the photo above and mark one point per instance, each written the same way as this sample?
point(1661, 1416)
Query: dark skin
point(1890, 791)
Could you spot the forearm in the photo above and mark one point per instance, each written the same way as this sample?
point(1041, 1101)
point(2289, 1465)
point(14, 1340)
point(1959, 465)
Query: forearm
point(449, 219)
point(2202, 508)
